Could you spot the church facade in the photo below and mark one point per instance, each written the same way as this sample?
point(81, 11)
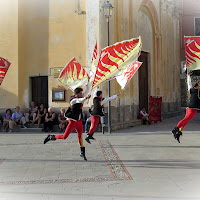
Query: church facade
point(40, 37)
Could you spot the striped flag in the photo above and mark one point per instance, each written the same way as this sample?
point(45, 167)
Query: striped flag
point(115, 59)
point(192, 52)
point(124, 78)
point(73, 75)
point(93, 67)
point(4, 65)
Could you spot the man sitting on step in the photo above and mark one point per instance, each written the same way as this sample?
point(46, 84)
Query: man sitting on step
point(17, 118)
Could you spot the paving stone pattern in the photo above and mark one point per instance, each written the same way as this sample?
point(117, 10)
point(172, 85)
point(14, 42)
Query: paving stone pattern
point(140, 163)
point(118, 171)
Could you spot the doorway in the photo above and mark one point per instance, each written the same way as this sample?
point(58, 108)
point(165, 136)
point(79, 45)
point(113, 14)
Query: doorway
point(40, 90)
point(143, 81)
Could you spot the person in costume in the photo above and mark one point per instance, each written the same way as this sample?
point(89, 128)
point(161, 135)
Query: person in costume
point(191, 111)
point(74, 116)
point(144, 116)
point(97, 112)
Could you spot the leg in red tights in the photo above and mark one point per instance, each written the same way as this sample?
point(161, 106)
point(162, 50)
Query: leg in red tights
point(79, 131)
point(70, 127)
point(94, 123)
point(78, 126)
point(177, 131)
point(190, 113)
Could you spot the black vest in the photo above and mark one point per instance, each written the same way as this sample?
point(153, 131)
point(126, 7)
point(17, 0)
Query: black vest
point(97, 110)
point(50, 116)
point(194, 99)
point(75, 111)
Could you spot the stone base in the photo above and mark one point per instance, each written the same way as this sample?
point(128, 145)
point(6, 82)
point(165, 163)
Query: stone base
point(126, 116)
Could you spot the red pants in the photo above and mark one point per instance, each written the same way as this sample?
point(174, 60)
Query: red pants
point(78, 126)
point(94, 123)
point(190, 113)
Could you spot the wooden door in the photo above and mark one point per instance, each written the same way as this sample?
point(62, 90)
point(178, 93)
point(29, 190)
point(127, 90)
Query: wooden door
point(40, 90)
point(143, 81)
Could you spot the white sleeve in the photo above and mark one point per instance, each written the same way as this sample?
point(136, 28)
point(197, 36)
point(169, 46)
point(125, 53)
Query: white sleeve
point(77, 100)
point(108, 99)
point(87, 90)
point(95, 93)
point(141, 113)
point(189, 82)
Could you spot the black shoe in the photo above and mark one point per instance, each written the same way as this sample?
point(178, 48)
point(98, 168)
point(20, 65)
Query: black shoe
point(175, 131)
point(87, 139)
point(91, 136)
point(178, 136)
point(82, 154)
point(48, 138)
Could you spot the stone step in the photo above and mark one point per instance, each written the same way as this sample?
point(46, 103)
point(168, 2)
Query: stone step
point(31, 130)
point(30, 125)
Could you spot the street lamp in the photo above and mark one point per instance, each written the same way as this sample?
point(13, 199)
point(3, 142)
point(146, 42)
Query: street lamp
point(108, 10)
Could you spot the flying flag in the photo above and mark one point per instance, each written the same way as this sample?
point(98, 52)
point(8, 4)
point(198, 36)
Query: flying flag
point(192, 52)
point(124, 78)
point(94, 57)
point(73, 75)
point(4, 65)
point(116, 58)
point(93, 67)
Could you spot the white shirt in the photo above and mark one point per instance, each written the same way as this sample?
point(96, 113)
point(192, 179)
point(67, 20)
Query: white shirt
point(80, 100)
point(143, 113)
point(189, 82)
point(106, 99)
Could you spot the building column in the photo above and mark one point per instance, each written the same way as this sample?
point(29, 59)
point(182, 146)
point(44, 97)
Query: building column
point(92, 28)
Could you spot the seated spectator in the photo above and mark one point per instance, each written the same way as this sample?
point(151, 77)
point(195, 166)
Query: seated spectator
point(144, 116)
point(40, 115)
point(32, 112)
point(88, 121)
point(27, 114)
point(50, 119)
point(6, 118)
point(17, 118)
point(62, 120)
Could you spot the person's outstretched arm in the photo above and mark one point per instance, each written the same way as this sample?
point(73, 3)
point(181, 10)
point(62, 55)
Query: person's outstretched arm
point(87, 89)
point(79, 100)
point(109, 98)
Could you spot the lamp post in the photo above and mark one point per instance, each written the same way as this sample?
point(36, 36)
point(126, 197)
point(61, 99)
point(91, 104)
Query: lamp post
point(108, 10)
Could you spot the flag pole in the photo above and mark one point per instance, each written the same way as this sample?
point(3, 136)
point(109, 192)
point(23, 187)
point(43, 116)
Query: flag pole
point(109, 103)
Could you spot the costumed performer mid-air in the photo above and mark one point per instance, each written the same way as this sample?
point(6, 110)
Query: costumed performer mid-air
point(97, 112)
point(191, 111)
point(74, 115)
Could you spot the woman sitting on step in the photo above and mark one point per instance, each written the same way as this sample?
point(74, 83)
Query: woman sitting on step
point(40, 115)
point(49, 120)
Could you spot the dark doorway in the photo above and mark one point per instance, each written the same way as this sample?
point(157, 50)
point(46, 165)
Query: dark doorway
point(40, 90)
point(143, 81)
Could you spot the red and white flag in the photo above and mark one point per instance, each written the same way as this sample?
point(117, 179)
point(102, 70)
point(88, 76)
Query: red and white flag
point(192, 52)
point(93, 66)
point(124, 78)
point(4, 65)
point(115, 59)
point(94, 57)
point(73, 75)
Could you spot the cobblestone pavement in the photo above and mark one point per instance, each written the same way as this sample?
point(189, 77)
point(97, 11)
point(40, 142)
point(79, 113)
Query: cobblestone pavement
point(143, 162)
